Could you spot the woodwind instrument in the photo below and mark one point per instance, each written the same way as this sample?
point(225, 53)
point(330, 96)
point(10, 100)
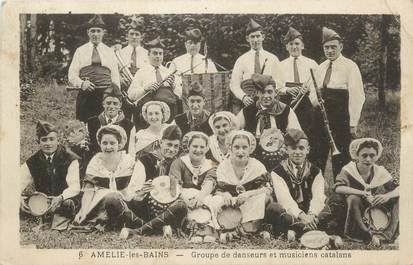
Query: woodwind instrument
point(333, 147)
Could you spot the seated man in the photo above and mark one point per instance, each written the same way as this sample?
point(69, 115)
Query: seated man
point(268, 112)
point(54, 172)
point(196, 119)
point(159, 164)
point(112, 114)
point(299, 189)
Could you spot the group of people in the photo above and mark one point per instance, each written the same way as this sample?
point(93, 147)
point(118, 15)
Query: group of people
point(151, 167)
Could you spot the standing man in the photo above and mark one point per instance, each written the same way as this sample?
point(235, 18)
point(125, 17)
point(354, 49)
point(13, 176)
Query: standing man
point(94, 68)
point(254, 61)
point(193, 60)
point(296, 72)
point(147, 78)
point(134, 55)
point(340, 82)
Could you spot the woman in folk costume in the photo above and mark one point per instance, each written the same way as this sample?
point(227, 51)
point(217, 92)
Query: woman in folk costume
point(196, 176)
point(112, 179)
point(368, 187)
point(156, 113)
point(243, 181)
point(222, 123)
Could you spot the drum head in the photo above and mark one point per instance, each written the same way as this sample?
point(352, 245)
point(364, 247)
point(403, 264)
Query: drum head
point(161, 192)
point(315, 239)
point(200, 215)
point(229, 218)
point(377, 218)
point(38, 204)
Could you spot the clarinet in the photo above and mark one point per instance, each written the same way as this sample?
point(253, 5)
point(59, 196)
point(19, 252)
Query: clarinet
point(333, 147)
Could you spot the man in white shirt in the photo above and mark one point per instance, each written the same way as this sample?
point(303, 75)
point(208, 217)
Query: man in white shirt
point(192, 60)
point(296, 73)
point(256, 60)
point(299, 188)
point(268, 112)
point(93, 69)
point(55, 172)
point(144, 85)
point(340, 81)
point(134, 55)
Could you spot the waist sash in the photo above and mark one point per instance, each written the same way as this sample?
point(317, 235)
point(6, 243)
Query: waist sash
point(100, 76)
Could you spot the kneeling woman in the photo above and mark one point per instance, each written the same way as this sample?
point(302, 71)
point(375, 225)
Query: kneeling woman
point(369, 189)
point(197, 177)
point(112, 179)
point(243, 181)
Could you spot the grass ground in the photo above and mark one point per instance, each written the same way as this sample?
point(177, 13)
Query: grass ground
point(54, 104)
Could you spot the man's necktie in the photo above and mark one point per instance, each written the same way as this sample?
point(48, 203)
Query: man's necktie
point(257, 67)
point(158, 74)
point(192, 64)
point(296, 74)
point(328, 75)
point(95, 56)
point(133, 65)
point(49, 160)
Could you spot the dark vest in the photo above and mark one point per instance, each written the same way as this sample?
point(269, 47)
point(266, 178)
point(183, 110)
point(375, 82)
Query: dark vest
point(305, 185)
point(50, 179)
point(94, 124)
point(182, 121)
point(151, 169)
point(251, 119)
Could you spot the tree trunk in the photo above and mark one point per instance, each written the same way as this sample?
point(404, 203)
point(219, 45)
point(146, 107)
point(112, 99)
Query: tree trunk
point(33, 42)
point(384, 25)
point(23, 47)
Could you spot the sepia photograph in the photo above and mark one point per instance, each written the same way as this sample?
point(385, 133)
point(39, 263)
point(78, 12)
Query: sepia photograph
point(146, 130)
point(214, 135)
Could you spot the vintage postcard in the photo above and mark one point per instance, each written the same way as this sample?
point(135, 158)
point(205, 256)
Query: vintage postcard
point(206, 132)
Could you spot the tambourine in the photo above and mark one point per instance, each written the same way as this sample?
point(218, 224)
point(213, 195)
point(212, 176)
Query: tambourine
point(160, 198)
point(377, 218)
point(199, 215)
point(229, 218)
point(315, 239)
point(270, 149)
point(38, 203)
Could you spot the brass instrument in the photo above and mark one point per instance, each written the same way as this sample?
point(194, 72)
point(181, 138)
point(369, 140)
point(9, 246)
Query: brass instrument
point(333, 147)
point(304, 91)
point(124, 71)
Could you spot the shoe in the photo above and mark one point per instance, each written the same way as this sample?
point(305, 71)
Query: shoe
point(167, 231)
point(223, 238)
point(375, 241)
point(124, 233)
point(265, 235)
point(291, 236)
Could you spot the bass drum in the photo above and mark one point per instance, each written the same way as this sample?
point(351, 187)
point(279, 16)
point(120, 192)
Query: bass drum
point(270, 149)
point(215, 88)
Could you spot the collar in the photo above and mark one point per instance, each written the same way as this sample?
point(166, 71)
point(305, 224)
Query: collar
point(337, 60)
point(203, 167)
point(298, 57)
point(260, 50)
point(378, 178)
point(97, 46)
point(114, 119)
point(51, 156)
